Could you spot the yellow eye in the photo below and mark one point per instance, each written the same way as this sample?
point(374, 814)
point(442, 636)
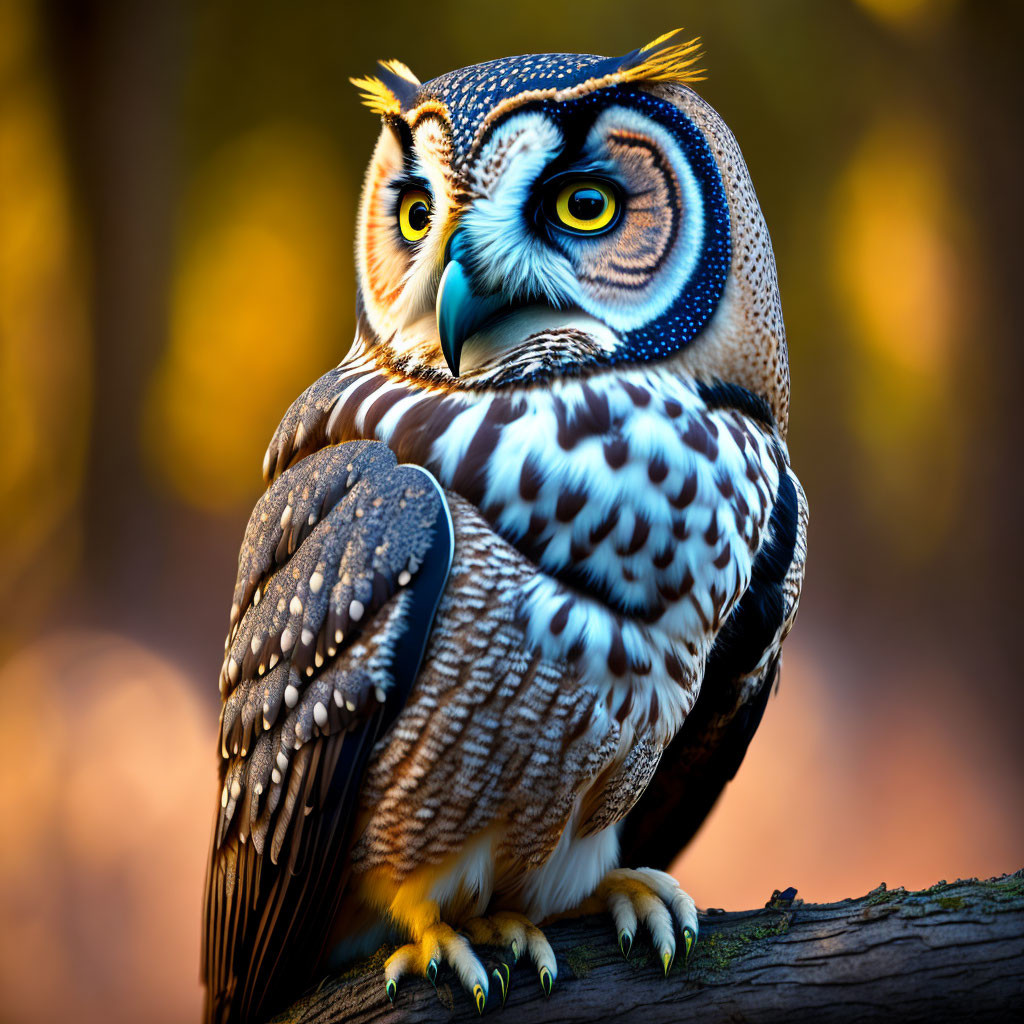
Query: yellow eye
point(586, 206)
point(414, 214)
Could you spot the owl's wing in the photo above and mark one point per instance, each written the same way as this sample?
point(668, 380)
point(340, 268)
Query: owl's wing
point(340, 573)
point(738, 679)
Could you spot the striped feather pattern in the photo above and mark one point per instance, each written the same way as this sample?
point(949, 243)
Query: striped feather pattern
point(643, 508)
point(609, 481)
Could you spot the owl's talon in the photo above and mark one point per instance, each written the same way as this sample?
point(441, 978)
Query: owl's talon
point(502, 974)
point(655, 898)
point(689, 938)
point(480, 998)
point(438, 944)
point(516, 933)
point(546, 981)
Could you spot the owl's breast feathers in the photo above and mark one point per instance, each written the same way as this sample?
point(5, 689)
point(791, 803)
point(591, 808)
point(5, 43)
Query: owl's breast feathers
point(639, 505)
point(531, 550)
point(600, 534)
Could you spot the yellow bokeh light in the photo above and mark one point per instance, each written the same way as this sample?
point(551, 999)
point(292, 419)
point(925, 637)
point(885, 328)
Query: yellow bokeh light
point(261, 305)
point(896, 262)
point(44, 368)
point(902, 286)
point(908, 14)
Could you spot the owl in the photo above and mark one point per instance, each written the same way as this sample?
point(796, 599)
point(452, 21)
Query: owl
point(511, 607)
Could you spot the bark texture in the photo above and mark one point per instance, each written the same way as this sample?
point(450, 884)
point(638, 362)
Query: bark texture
point(954, 952)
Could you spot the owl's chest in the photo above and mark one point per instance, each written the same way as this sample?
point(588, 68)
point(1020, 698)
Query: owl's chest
point(640, 508)
point(642, 511)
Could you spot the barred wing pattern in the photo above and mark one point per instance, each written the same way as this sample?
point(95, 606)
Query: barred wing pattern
point(344, 561)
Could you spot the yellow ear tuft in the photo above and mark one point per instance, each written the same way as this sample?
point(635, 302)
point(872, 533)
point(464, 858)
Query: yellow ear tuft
point(662, 61)
point(396, 67)
point(386, 94)
point(373, 93)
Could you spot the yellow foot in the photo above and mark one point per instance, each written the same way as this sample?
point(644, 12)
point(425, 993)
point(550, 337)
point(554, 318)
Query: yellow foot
point(654, 898)
point(439, 944)
point(517, 935)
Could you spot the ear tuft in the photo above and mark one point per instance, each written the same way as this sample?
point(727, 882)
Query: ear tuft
point(396, 67)
point(373, 93)
point(388, 93)
point(663, 61)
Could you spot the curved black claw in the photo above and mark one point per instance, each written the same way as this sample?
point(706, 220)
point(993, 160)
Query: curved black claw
point(391, 988)
point(479, 998)
point(688, 940)
point(432, 972)
point(501, 975)
point(625, 942)
point(546, 981)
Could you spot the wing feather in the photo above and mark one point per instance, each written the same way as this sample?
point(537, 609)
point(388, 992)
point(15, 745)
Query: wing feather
point(344, 561)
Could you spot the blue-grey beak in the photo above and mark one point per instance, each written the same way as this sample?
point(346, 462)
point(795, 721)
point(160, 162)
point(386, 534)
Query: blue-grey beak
point(460, 310)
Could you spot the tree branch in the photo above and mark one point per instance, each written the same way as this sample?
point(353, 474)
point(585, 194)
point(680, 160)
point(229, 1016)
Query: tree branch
point(954, 952)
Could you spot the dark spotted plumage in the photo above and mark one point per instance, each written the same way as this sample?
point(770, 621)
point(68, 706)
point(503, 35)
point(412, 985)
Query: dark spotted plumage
point(587, 419)
point(339, 575)
point(708, 751)
point(472, 93)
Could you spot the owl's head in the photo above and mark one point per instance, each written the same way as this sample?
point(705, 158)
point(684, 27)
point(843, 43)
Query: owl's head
point(547, 216)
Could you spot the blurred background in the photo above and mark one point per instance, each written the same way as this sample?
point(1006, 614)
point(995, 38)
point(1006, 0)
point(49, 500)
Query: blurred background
point(178, 184)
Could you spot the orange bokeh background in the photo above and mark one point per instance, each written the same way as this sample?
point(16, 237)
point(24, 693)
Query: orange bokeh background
point(177, 194)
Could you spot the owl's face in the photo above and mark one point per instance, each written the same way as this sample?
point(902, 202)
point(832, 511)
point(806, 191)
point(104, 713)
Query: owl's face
point(548, 216)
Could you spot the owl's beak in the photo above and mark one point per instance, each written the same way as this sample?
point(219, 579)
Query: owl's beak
point(460, 310)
